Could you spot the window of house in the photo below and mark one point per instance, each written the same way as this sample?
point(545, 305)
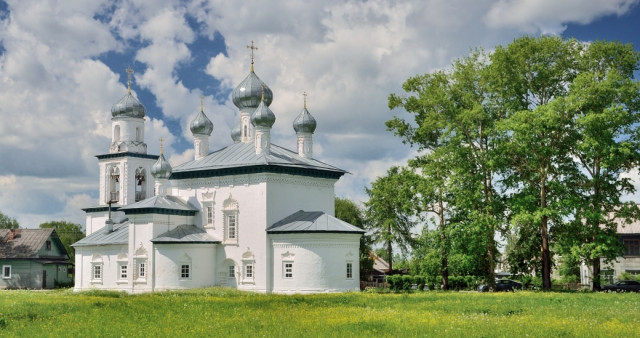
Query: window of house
point(123, 272)
point(349, 271)
point(248, 271)
point(631, 247)
point(287, 269)
point(48, 244)
point(231, 223)
point(142, 270)
point(606, 276)
point(185, 271)
point(232, 271)
point(97, 272)
point(6, 272)
point(231, 226)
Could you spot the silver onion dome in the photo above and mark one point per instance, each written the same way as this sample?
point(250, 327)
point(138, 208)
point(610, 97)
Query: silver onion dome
point(236, 132)
point(162, 168)
point(263, 116)
point(304, 122)
point(249, 92)
point(201, 125)
point(128, 106)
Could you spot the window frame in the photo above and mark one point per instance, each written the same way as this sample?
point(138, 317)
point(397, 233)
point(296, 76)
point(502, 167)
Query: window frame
point(349, 270)
point(142, 270)
point(185, 271)
point(96, 277)
point(4, 270)
point(123, 272)
point(631, 247)
point(287, 270)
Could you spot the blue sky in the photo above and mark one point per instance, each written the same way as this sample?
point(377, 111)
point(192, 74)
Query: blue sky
point(62, 67)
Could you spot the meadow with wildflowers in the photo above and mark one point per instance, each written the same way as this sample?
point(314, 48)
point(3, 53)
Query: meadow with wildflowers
point(221, 311)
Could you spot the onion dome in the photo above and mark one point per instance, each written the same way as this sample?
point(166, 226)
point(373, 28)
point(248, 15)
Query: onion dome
point(128, 106)
point(162, 168)
point(304, 123)
point(263, 116)
point(236, 132)
point(201, 125)
point(248, 93)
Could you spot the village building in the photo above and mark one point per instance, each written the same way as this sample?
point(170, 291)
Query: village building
point(33, 259)
point(251, 215)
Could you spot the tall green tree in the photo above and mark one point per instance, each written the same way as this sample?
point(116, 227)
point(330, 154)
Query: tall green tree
point(350, 212)
point(605, 100)
point(7, 222)
point(68, 233)
point(456, 130)
point(531, 77)
point(389, 210)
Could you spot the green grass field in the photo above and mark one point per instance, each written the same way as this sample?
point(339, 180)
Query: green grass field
point(225, 312)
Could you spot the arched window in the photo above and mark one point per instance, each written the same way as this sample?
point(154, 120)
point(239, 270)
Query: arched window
point(231, 220)
point(116, 133)
point(114, 185)
point(141, 184)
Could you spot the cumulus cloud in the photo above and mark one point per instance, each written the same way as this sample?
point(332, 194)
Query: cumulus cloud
point(58, 85)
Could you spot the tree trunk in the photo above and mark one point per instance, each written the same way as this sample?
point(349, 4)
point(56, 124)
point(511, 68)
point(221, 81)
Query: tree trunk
point(390, 256)
point(546, 254)
point(596, 274)
point(443, 247)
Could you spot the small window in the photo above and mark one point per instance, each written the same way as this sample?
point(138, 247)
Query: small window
point(142, 270)
point(123, 271)
point(6, 272)
point(97, 272)
point(288, 269)
point(248, 271)
point(232, 271)
point(209, 214)
point(631, 247)
point(349, 271)
point(48, 245)
point(185, 271)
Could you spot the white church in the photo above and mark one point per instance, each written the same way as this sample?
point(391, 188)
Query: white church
point(252, 215)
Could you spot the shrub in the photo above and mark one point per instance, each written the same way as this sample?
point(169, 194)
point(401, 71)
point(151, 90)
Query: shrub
point(407, 281)
point(419, 281)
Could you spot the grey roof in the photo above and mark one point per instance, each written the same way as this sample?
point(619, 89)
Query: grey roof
point(312, 222)
point(248, 93)
point(239, 155)
point(626, 229)
point(25, 243)
point(160, 204)
point(119, 235)
point(128, 106)
point(185, 233)
point(201, 125)
point(304, 122)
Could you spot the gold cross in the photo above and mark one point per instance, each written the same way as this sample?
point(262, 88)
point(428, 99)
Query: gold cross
point(130, 71)
point(161, 145)
point(305, 99)
point(252, 47)
point(201, 103)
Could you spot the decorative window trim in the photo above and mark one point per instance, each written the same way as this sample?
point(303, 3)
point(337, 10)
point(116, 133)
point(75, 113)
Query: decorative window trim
point(208, 214)
point(123, 273)
point(6, 272)
point(287, 269)
point(97, 272)
point(248, 267)
point(231, 229)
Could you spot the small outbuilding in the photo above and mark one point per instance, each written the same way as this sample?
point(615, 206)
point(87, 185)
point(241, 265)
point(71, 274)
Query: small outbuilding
point(33, 259)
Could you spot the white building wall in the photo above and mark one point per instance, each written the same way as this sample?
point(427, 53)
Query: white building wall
point(109, 257)
point(169, 259)
point(319, 262)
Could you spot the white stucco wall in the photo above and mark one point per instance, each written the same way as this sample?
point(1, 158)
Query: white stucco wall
point(319, 262)
point(168, 259)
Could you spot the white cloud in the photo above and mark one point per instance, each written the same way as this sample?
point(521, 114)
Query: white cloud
point(551, 16)
point(347, 55)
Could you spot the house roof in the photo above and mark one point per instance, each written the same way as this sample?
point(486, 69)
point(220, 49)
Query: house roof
point(312, 222)
point(119, 235)
point(627, 229)
point(170, 205)
point(379, 264)
point(26, 243)
point(186, 233)
point(241, 158)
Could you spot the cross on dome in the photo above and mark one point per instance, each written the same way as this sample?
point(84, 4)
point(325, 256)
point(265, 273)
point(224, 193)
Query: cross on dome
point(161, 145)
point(202, 103)
point(130, 73)
point(253, 48)
point(305, 99)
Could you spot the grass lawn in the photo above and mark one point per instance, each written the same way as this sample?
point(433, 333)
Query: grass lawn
point(225, 312)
